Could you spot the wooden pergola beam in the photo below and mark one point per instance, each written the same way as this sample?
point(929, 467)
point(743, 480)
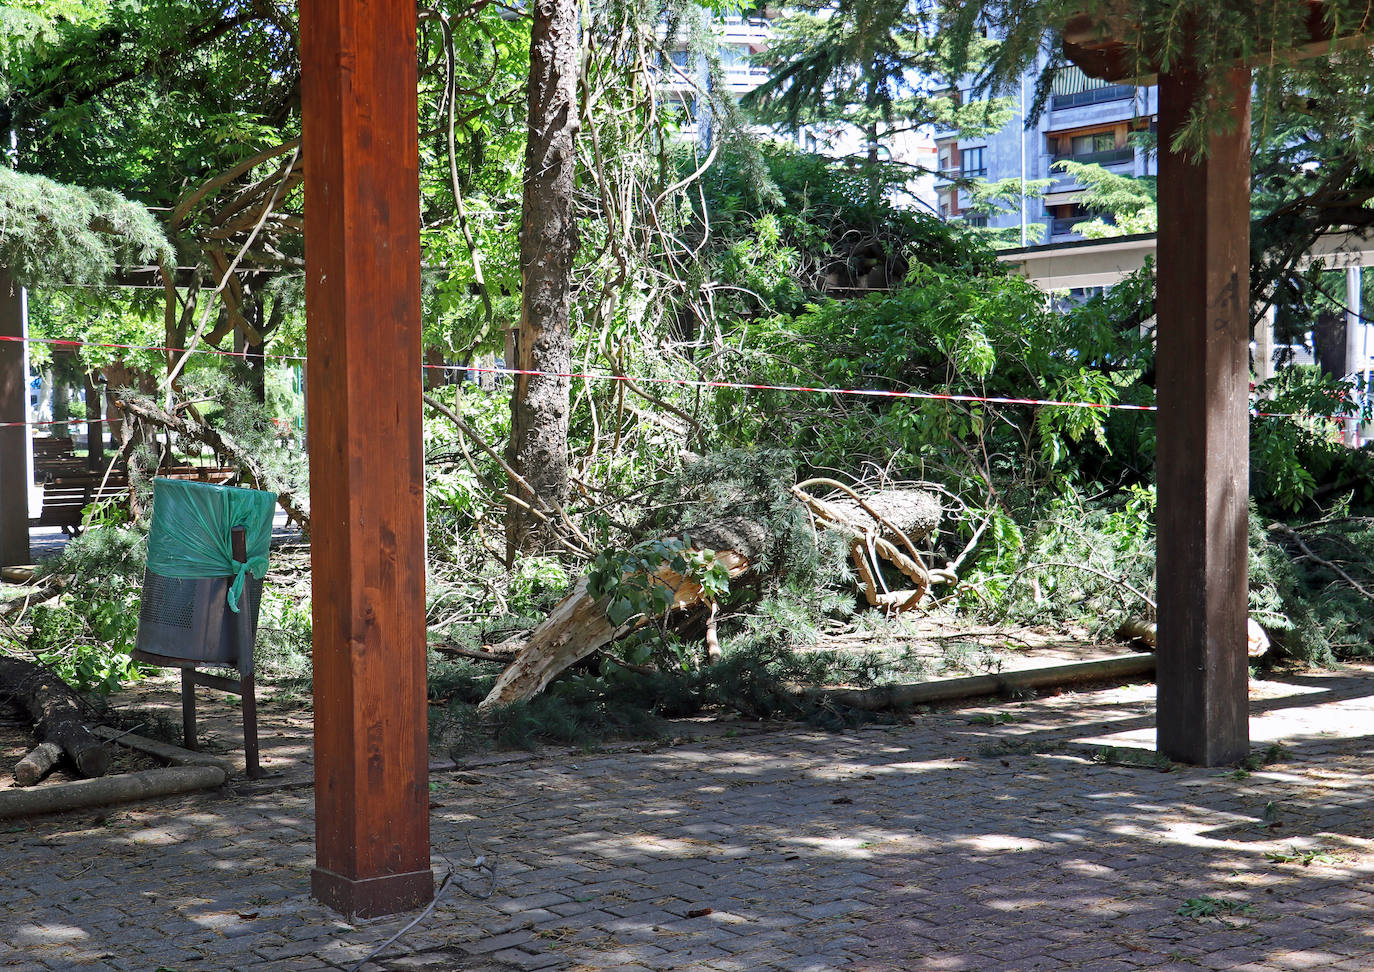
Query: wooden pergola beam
point(358, 84)
point(1094, 43)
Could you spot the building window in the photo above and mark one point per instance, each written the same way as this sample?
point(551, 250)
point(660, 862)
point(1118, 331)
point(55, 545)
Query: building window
point(1097, 142)
point(971, 164)
point(979, 221)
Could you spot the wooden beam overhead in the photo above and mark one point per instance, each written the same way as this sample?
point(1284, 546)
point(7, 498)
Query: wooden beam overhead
point(358, 84)
point(1103, 45)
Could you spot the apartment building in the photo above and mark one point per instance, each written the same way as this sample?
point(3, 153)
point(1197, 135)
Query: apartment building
point(1085, 120)
point(738, 39)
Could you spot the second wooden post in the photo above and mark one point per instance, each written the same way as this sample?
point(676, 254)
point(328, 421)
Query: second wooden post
point(1202, 367)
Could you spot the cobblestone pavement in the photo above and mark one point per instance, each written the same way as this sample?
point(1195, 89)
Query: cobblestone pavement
point(1011, 836)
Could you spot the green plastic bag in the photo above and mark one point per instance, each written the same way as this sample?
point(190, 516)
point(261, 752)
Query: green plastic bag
point(191, 532)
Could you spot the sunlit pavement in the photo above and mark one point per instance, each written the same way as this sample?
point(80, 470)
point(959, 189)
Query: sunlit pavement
point(1011, 836)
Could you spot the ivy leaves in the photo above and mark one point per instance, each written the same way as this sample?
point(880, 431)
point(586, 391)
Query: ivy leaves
point(642, 582)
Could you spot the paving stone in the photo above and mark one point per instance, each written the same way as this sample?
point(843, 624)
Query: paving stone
point(946, 860)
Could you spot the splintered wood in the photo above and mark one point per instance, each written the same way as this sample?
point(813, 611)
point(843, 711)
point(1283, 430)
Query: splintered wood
point(882, 526)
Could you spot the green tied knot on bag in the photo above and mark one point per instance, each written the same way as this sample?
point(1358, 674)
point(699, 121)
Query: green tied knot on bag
point(191, 535)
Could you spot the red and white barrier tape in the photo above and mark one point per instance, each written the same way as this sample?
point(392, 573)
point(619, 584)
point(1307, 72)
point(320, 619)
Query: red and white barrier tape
point(682, 383)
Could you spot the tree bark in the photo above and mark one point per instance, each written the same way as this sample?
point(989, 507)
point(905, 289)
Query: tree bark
point(95, 425)
point(56, 712)
point(548, 243)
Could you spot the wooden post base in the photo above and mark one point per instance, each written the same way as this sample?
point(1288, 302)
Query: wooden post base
point(371, 897)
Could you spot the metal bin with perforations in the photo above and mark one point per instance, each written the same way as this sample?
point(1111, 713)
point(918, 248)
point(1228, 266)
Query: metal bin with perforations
point(185, 622)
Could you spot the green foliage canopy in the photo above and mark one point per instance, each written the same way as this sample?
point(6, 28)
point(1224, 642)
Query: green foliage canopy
point(56, 234)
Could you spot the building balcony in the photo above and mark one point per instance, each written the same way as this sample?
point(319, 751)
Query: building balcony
point(1116, 156)
point(1063, 225)
point(1092, 96)
point(743, 30)
point(745, 77)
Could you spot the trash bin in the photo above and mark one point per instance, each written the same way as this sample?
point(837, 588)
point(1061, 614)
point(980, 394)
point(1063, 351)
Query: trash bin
point(207, 556)
point(200, 604)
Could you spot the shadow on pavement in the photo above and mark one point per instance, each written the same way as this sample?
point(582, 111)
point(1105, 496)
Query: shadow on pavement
point(992, 838)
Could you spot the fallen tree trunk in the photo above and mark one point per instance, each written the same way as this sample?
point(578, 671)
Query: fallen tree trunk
point(882, 525)
point(120, 788)
point(44, 590)
point(56, 712)
point(578, 625)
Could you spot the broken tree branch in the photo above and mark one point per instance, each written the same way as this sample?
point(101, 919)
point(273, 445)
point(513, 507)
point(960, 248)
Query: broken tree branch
point(219, 441)
point(1292, 534)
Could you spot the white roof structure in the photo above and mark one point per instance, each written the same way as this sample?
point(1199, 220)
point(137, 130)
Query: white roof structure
point(1102, 263)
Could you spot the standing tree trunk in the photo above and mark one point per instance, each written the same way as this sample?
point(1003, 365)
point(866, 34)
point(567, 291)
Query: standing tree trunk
point(95, 424)
point(548, 242)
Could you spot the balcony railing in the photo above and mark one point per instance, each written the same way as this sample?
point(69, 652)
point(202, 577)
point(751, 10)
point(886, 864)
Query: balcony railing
point(1063, 225)
point(746, 74)
point(1093, 96)
point(1116, 156)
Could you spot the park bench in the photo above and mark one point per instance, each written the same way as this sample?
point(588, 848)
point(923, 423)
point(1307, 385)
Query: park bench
point(219, 475)
point(67, 494)
point(65, 497)
point(53, 455)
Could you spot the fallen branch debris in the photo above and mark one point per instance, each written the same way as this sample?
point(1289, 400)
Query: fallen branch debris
point(56, 712)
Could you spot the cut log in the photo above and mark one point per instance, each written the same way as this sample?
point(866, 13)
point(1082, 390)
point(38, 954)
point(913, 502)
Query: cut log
point(56, 713)
point(914, 512)
point(881, 526)
point(1145, 632)
point(37, 763)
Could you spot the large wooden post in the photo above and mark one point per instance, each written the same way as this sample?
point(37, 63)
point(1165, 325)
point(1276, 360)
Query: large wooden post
point(358, 96)
point(1203, 432)
point(14, 438)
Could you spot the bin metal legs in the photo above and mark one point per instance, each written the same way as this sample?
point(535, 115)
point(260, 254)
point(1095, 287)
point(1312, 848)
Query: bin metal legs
point(246, 689)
